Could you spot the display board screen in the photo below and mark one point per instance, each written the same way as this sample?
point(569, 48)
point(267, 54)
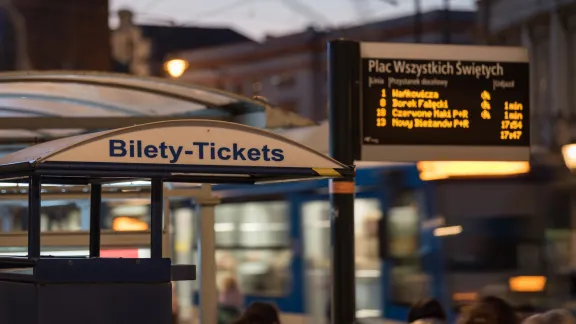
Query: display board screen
point(446, 103)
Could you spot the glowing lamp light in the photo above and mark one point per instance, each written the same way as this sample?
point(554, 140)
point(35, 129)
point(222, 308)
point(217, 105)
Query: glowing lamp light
point(176, 67)
point(527, 283)
point(448, 231)
point(465, 296)
point(569, 155)
point(436, 170)
point(128, 224)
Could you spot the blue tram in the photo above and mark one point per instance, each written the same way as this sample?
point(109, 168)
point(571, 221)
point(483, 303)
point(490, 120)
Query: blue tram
point(448, 239)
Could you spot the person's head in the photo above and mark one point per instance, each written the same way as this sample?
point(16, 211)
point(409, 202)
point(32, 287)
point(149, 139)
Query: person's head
point(426, 309)
point(535, 319)
point(490, 310)
point(261, 313)
point(229, 284)
point(229, 293)
point(175, 305)
point(558, 316)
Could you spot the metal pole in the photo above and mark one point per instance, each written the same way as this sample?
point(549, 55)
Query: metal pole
point(184, 231)
point(343, 78)
point(156, 209)
point(206, 239)
point(418, 21)
point(166, 235)
point(95, 215)
point(34, 204)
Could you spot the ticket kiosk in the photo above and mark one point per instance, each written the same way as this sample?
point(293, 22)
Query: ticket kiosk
point(37, 289)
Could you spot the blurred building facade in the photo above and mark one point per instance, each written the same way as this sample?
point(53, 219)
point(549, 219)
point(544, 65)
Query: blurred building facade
point(290, 71)
point(142, 49)
point(55, 34)
point(548, 30)
point(75, 35)
point(168, 39)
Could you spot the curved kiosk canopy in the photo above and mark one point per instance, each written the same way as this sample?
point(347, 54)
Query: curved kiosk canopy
point(114, 290)
point(32, 104)
point(173, 151)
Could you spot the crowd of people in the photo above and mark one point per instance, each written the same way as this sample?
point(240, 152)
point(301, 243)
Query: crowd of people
point(488, 310)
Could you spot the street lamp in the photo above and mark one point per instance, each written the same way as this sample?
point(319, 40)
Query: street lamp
point(176, 67)
point(569, 155)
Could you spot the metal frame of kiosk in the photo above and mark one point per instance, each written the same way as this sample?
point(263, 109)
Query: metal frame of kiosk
point(41, 289)
point(109, 239)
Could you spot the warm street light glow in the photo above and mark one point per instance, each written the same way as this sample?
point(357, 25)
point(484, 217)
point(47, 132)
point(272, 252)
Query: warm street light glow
point(436, 170)
point(527, 283)
point(569, 155)
point(176, 67)
point(447, 231)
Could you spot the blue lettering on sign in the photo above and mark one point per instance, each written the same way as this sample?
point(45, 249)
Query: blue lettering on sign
point(204, 151)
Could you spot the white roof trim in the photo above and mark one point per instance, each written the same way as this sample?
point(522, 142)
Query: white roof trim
point(95, 147)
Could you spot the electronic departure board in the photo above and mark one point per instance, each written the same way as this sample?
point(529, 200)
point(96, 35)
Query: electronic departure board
point(445, 109)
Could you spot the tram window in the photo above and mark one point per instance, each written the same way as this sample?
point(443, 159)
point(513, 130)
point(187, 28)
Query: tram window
point(408, 281)
point(316, 230)
point(474, 253)
point(488, 251)
point(316, 219)
point(253, 245)
point(259, 272)
point(403, 230)
point(473, 249)
point(252, 225)
point(368, 213)
point(559, 251)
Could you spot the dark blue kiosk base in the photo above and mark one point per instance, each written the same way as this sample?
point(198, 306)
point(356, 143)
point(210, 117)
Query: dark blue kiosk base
point(87, 291)
point(28, 303)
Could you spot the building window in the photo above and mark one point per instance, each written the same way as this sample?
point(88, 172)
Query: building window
point(283, 80)
point(406, 280)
